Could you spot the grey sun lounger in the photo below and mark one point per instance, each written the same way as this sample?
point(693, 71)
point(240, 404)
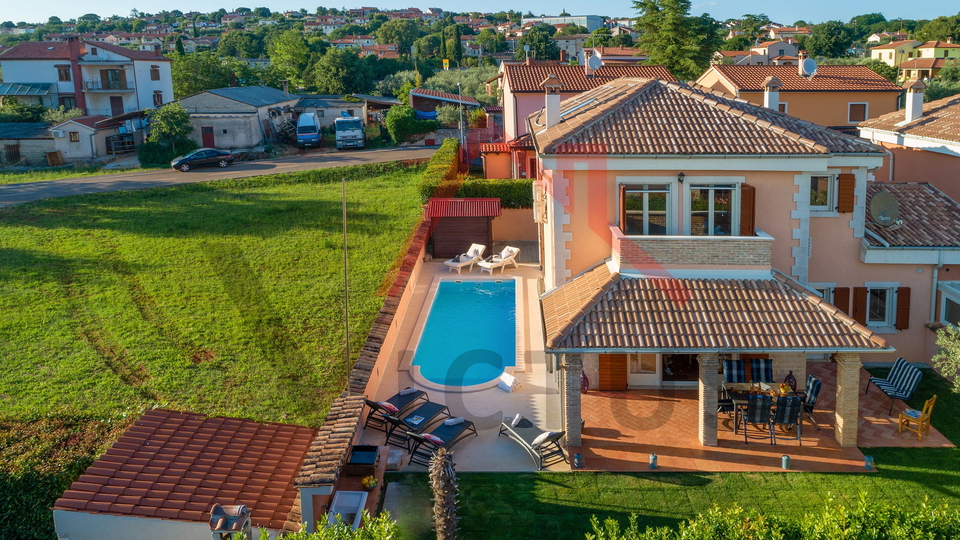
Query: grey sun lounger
point(422, 449)
point(525, 432)
point(402, 403)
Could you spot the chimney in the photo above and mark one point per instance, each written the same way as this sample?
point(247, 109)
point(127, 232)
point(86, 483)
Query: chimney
point(771, 93)
point(552, 85)
point(563, 56)
point(587, 68)
point(75, 52)
point(913, 105)
point(801, 56)
point(286, 88)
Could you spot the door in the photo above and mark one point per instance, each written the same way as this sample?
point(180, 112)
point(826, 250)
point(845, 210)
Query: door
point(116, 105)
point(643, 370)
point(206, 134)
point(680, 370)
point(613, 372)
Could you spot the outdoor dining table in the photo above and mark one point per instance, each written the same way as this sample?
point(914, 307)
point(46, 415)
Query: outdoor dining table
point(424, 415)
point(739, 394)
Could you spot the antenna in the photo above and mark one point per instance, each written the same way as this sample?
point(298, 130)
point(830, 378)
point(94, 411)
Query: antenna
point(885, 209)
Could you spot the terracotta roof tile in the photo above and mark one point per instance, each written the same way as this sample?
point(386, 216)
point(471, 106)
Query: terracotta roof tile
point(924, 63)
point(603, 311)
point(940, 120)
point(895, 44)
point(321, 466)
point(930, 218)
point(527, 78)
point(466, 100)
point(827, 79)
point(651, 117)
point(473, 207)
point(184, 484)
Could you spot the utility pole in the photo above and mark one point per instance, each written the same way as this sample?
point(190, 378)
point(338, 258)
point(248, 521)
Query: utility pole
point(346, 289)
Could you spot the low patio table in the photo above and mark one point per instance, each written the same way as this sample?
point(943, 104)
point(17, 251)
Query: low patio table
point(424, 415)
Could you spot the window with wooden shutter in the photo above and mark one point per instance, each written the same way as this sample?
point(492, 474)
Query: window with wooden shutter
point(846, 185)
point(903, 309)
point(860, 305)
point(613, 372)
point(748, 210)
point(841, 299)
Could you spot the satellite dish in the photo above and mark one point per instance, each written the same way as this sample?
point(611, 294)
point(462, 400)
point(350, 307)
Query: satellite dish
point(885, 209)
point(594, 63)
point(808, 68)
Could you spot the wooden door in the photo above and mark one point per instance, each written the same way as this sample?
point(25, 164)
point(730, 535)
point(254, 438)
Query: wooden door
point(116, 105)
point(613, 372)
point(206, 133)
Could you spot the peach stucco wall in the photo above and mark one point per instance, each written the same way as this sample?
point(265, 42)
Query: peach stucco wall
point(515, 224)
point(913, 165)
point(830, 108)
point(517, 107)
point(497, 165)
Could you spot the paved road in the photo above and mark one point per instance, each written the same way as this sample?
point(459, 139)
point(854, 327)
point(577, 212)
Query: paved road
point(11, 194)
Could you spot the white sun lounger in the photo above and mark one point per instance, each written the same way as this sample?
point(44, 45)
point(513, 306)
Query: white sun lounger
point(473, 255)
point(500, 260)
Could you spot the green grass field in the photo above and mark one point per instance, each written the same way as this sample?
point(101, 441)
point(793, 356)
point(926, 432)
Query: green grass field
point(560, 505)
point(60, 173)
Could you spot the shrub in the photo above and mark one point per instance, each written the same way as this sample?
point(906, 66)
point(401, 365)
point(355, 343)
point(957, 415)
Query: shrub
point(159, 153)
point(512, 192)
point(439, 178)
point(448, 115)
point(402, 123)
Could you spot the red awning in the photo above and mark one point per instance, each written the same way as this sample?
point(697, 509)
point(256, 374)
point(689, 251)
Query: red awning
point(463, 208)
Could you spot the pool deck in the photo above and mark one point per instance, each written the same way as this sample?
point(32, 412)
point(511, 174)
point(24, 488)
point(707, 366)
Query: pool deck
point(537, 399)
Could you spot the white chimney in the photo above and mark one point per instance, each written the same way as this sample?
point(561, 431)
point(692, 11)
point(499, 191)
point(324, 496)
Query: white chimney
point(552, 85)
point(913, 105)
point(801, 56)
point(771, 93)
point(587, 66)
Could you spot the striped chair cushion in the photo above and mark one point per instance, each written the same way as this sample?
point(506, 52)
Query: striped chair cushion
point(734, 372)
point(762, 370)
point(812, 390)
point(902, 381)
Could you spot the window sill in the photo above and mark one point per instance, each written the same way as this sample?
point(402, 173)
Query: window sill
point(883, 329)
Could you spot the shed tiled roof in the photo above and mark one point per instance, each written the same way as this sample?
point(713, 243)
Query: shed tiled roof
point(930, 218)
point(488, 148)
point(924, 63)
point(938, 45)
point(474, 207)
point(323, 461)
point(827, 79)
point(176, 465)
point(644, 117)
point(24, 130)
point(527, 78)
point(940, 120)
point(444, 96)
point(257, 96)
point(603, 311)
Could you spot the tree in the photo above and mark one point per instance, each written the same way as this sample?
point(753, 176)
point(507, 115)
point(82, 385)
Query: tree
point(542, 47)
point(737, 43)
point(342, 71)
point(428, 46)
point(14, 110)
point(457, 45)
point(402, 124)
point(939, 89)
point(883, 69)
point(672, 38)
point(491, 41)
point(193, 73)
point(288, 53)
point(599, 38)
point(401, 32)
point(571, 30)
point(448, 115)
point(950, 71)
point(180, 46)
point(374, 528)
point(169, 124)
point(830, 39)
point(947, 357)
point(443, 481)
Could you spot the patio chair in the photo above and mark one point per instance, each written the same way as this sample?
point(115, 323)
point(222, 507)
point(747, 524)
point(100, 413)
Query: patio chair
point(397, 432)
point(900, 384)
point(442, 436)
point(787, 415)
point(543, 446)
point(761, 370)
point(500, 260)
point(803, 393)
point(733, 371)
point(808, 399)
point(472, 256)
point(922, 418)
point(375, 416)
point(757, 413)
point(403, 401)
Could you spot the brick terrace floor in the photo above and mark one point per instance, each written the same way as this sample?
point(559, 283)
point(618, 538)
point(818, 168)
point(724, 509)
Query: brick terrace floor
point(623, 428)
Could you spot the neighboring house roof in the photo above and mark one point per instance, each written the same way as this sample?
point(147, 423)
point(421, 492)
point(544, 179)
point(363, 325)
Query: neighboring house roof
point(379, 100)
point(24, 130)
point(930, 218)
point(176, 465)
point(938, 45)
point(734, 54)
point(25, 89)
point(644, 117)
point(60, 50)
point(321, 466)
point(769, 43)
point(257, 96)
point(924, 63)
point(600, 310)
point(475, 207)
point(326, 101)
point(827, 79)
point(494, 148)
point(617, 51)
point(443, 96)
point(527, 78)
point(92, 122)
point(896, 45)
point(940, 120)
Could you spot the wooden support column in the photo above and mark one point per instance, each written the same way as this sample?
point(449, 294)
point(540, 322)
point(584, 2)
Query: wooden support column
point(848, 397)
point(572, 365)
point(709, 386)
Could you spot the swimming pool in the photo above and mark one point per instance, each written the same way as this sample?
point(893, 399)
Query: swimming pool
point(471, 333)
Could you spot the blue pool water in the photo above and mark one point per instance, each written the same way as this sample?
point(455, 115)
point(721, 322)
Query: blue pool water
point(471, 333)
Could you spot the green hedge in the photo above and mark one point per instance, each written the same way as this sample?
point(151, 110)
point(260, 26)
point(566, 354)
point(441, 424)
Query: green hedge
point(866, 521)
point(155, 153)
point(440, 180)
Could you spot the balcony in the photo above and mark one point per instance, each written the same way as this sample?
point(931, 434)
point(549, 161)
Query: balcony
point(685, 251)
point(107, 87)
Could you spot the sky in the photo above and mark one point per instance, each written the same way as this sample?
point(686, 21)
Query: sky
point(782, 12)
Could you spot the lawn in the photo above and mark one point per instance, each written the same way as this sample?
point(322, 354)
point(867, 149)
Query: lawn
point(59, 173)
point(559, 505)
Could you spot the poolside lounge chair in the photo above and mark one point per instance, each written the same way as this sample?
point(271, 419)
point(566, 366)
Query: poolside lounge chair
point(403, 403)
point(472, 256)
point(500, 260)
point(900, 384)
point(545, 452)
point(423, 448)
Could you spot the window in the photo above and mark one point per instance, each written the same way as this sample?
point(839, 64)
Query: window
point(63, 74)
point(891, 56)
point(821, 191)
point(74, 136)
point(157, 98)
point(782, 107)
point(645, 210)
point(319, 113)
point(880, 304)
point(93, 51)
point(856, 112)
point(11, 152)
point(642, 363)
point(950, 302)
point(781, 52)
point(68, 102)
point(154, 73)
point(825, 291)
point(711, 210)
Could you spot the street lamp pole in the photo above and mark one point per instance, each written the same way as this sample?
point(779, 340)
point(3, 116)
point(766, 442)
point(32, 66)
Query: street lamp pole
point(460, 97)
point(346, 294)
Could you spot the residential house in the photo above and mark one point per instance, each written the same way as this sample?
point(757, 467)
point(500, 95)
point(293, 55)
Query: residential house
point(570, 45)
point(25, 143)
point(739, 58)
point(647, 196)
point(612, 55)
point(621, 30)
point(776, 52)
point(880, 36)
point(591, 22)
point(388, 50)
point(895, 52)
point(232, 18)
point(92, 137)
point(930, 59)
point(238, 117)
point(837, 96)
point(785, 32)
point(100, 78)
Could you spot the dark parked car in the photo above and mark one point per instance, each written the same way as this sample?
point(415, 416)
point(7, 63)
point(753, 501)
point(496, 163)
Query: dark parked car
point(202, 157)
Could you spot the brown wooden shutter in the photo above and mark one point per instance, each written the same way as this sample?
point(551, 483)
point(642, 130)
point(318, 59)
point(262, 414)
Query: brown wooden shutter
point(841, 299)
point(903, 308)
point(623, 208)
point(613, 372)
point(860, 304)
point(846, 186)
point(748, 210)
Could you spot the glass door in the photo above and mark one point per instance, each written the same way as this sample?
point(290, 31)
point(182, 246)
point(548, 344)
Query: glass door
point(680, 370)
point(711, 210)
point(643, 370)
